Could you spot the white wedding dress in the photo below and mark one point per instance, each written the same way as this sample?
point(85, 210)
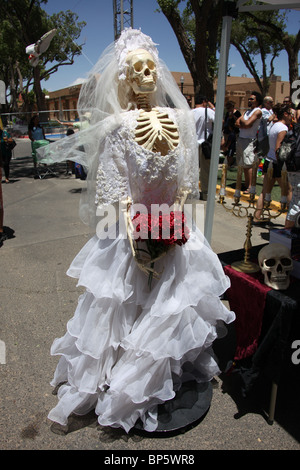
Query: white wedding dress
point(128, 349)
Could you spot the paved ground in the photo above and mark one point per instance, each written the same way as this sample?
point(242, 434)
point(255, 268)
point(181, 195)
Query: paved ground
point(37, 299)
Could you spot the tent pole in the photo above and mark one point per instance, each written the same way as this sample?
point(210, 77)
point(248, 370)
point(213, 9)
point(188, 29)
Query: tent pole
point(217, 134)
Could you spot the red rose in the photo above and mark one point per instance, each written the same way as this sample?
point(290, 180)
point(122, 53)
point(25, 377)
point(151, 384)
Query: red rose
point(160, 233)
point(166, 228)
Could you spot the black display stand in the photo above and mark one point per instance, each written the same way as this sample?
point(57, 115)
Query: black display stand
point(188, 406)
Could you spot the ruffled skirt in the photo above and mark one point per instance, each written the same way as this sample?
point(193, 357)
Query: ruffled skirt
point(128, 349)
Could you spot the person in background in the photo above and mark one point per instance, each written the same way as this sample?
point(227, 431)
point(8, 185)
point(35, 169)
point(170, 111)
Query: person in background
point(36, 134)
point(266, 123)
point(277, 133)
point(288, 101)
point(229, 145)
point(294, 176)
point(267, 108)
point(231, 112)
point(298, 113)
point(3, 235)
point(248, 124)
point(189, 100)
point(202, 105)
point(78, 125)
point(230, 131)
point(6, 153)
point(70, 164)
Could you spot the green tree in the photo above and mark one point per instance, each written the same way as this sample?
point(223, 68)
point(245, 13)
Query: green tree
point(255, 43)
point(24, 22)
point(258, 36)
point(9, 47)
point(196, 27)
point(289, 42)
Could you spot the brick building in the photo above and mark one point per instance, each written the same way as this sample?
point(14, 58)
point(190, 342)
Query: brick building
point(62, 104)
point(238, 89)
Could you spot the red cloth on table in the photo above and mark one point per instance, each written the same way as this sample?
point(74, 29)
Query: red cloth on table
point(247, 298)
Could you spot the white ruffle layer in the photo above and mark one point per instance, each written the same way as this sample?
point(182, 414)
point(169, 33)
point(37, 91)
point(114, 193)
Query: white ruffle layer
point(128, 349)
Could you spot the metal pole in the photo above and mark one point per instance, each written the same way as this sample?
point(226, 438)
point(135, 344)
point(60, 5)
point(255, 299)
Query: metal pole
point(217, 134)
point(122, 15)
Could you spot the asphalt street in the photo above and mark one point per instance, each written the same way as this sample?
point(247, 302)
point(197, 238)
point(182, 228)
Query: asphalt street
point(37, 299)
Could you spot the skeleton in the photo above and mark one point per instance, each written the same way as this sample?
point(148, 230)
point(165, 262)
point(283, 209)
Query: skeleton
point(155, 130)
point(276, 263)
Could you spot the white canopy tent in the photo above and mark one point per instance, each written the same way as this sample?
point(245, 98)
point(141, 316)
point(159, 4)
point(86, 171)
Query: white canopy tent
point(232, 8)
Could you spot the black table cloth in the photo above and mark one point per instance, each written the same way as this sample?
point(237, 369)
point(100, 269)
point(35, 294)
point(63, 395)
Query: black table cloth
point(267, 320)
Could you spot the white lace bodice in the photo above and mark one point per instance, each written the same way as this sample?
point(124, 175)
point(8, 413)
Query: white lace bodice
point(127, 169)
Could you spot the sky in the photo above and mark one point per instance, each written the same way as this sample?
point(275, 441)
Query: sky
point(99, 33)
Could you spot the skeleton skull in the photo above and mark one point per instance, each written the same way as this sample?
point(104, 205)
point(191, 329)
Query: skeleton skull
point(141, 73)
point(276, 263)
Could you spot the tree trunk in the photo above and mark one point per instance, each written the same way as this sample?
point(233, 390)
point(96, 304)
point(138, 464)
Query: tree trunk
point(13, 90)
point(291, 45)
point(40, 96)
point(207, 19)
point(196, 60)
point(293, 69)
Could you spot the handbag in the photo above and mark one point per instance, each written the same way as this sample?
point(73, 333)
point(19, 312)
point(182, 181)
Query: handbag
point(284, 151)
point(262, 146)
point(287, 146)
point(206, 147)
point(207, 144)
point(289, 151)
point(10, 144)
